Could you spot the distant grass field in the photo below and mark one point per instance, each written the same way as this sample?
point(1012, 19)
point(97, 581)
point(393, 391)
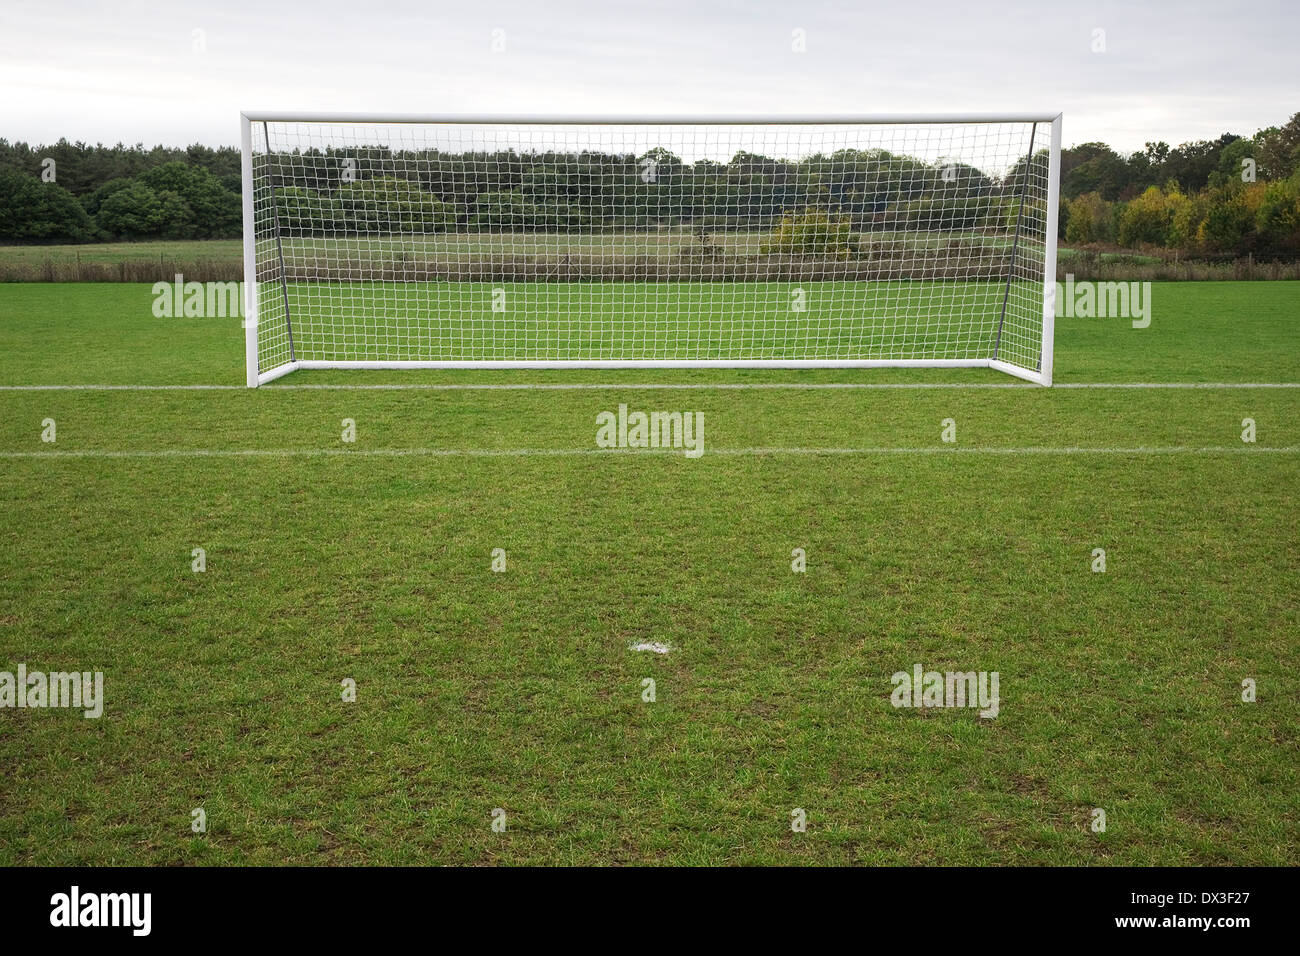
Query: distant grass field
point(222, 259)
point(476, 690)
point(111, 253)
point(665, 242)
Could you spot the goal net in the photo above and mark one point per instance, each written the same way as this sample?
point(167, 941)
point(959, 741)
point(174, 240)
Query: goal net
point(454, 242)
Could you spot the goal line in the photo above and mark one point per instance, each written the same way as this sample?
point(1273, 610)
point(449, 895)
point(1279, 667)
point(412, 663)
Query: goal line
point(650, 386)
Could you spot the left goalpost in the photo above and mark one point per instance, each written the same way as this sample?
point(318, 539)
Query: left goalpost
point(397, 241)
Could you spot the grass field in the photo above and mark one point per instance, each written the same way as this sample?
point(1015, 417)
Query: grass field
point(518, 690)
point(386, 321)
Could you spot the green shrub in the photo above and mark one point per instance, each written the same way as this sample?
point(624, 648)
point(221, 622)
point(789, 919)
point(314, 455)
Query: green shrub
point(307, 212)
point(214, 211)
point(504, 209)
point(1277, 221)
point(1088, 219)
point(388, 204)
point(812, 231)
point(137, 212)
point(1146, 220)
point(1229, 220)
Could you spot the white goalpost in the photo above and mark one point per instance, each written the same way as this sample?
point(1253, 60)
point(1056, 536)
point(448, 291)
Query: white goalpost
point(375, 242)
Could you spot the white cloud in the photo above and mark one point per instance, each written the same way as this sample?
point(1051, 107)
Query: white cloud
point(92, 71)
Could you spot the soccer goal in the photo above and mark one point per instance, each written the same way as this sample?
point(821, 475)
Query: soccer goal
point(609, 242)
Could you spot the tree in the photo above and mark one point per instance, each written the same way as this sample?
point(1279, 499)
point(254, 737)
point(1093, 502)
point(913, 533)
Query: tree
point(36, 211)
point(1228, 168)
point(95, 200)
point(505, 210)
point(1277, 221)
point(1279, 149)
point(132, 212)
point(306, 212)
point(215, 212)
point(813, 231)
point(1191, 164)
point(176, 218)
point(1089, 219)
point(1229, 220)
point(1185, 228)
point(1095, 167)
point(1157, 153)
point(390, 205)
point(1146, 219)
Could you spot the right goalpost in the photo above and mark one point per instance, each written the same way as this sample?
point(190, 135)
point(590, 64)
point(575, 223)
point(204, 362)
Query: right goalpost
point(375, 241)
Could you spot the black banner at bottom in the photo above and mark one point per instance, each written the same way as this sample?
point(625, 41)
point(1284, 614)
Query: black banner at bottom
point(337, 905)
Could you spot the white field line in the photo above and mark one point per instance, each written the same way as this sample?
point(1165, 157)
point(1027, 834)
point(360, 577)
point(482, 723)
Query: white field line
point(655, 647)
point(648, 386)
point(575, 452)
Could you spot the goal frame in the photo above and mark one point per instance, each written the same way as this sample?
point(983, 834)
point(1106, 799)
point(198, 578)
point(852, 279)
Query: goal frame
point(256, 377)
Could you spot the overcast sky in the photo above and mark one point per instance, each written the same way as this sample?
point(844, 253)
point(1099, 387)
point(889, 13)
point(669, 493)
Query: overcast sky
point(98, 70)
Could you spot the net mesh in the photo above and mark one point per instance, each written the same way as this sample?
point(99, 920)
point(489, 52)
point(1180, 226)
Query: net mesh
point(460, 242)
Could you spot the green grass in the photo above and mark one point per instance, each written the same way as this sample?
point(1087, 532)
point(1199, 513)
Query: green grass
point(517, 690)
point(107, 334)
point(841, 320)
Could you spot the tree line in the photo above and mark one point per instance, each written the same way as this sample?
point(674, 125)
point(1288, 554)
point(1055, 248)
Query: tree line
point(430, 191)
point(1230, 195)
point(75, 192)
point(1233, 195)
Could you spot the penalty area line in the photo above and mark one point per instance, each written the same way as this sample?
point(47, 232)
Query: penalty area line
point(632, 452)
